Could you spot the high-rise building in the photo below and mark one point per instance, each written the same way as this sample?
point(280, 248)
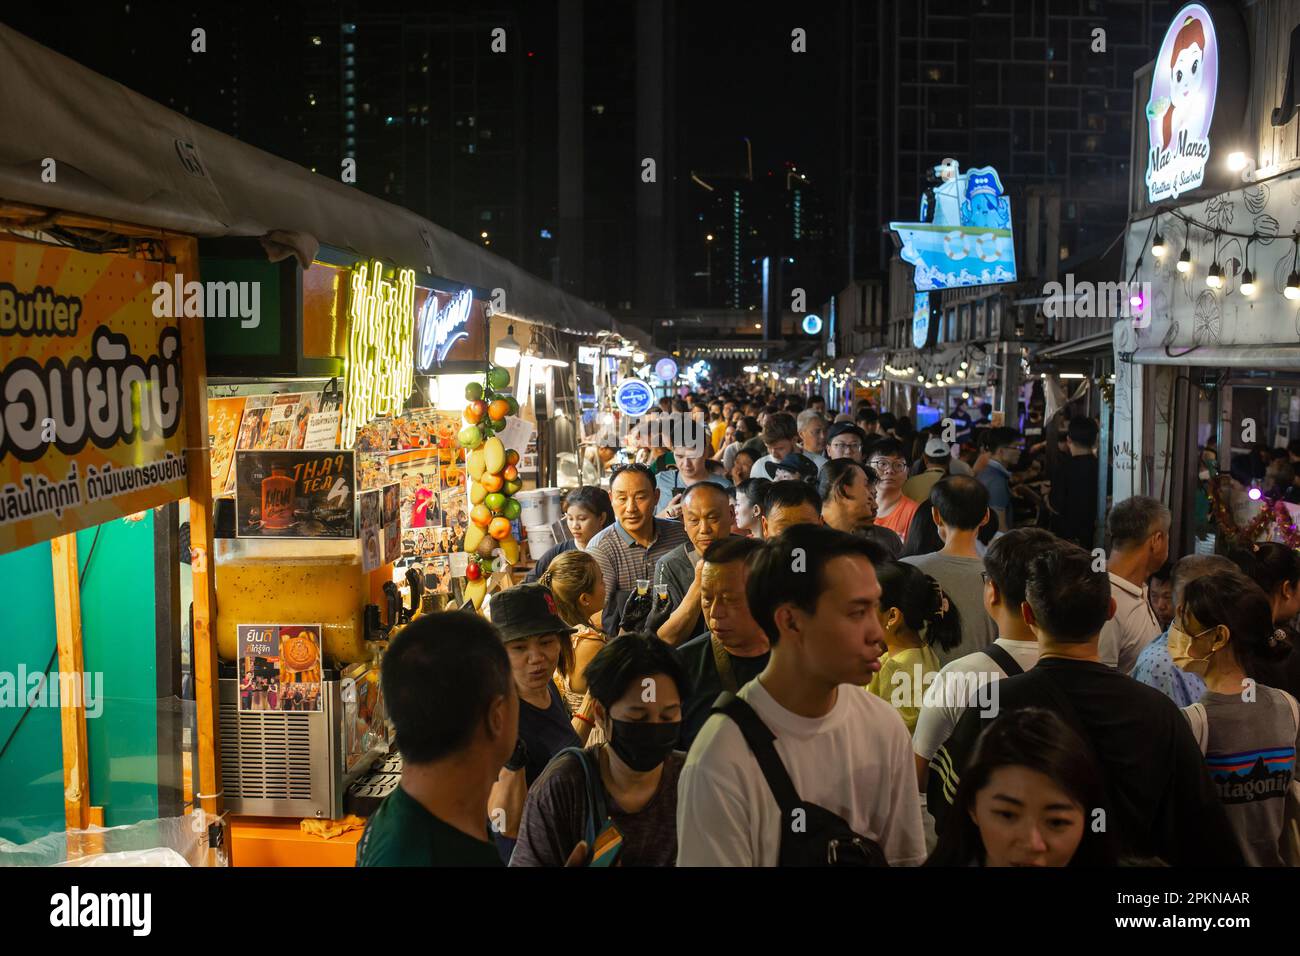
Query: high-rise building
point(1039, 90)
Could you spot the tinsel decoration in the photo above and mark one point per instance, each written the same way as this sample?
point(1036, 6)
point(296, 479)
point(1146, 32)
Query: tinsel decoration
point(1274, 520)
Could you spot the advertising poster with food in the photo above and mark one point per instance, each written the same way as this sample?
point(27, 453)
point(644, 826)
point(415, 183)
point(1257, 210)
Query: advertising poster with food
point(372, 541)
point(280, 667)
point(224, 416)
point(76, 325)
point(295, 494)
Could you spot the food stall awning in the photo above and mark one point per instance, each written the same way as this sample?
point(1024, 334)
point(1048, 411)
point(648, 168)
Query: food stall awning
point(122, 157)
point(1227, 356)
point(1079, 348)
point(870, 364)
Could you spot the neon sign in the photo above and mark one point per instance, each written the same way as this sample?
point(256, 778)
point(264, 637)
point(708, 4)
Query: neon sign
point(440, 331)
point(921, 320)
point(1184, 85)
point(380, 368)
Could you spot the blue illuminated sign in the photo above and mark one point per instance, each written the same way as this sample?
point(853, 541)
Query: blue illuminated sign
point(921, 319)
point(666, 370)
point(812, 324)
point(634, 397)
point(969, 240)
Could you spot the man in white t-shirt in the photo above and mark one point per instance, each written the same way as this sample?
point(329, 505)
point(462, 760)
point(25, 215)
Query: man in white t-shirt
point(815, 594)
point(965, 681)
point(1138, 528)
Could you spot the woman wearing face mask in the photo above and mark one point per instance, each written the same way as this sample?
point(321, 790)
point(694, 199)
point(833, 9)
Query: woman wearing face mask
point(638, 686)
point(916, 617)
point(1224, 632)
point(1026, 799)
point(578, 586)
point(586, 511)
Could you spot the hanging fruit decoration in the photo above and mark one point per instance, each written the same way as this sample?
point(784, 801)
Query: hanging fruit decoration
point(493, 481)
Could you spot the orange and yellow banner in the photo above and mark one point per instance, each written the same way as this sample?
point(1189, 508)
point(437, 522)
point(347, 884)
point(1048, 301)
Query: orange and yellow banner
point(91, 427)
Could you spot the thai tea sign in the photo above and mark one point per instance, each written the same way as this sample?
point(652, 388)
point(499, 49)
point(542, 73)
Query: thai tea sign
point(91, 424)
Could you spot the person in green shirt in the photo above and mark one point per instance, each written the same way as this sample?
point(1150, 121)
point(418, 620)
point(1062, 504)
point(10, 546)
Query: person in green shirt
point(450, 695)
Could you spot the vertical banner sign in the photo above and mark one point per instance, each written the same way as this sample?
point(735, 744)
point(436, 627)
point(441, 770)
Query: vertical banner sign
point(380, 369)
point(90, 392)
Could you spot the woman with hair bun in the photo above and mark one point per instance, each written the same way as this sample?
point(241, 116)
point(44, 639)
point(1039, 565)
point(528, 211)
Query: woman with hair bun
point(1224, 631)
point(916, 616)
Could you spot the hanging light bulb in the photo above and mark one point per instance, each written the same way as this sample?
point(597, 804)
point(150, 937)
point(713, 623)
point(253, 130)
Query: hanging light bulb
point(920, 378)
point(965, 364)
point(1292, 290)
point(949, 379)
point(1158, 246)
point(1247, 282)
point(1185, 261)
point(961, 372)
point(1214, 278)
point(965, 396)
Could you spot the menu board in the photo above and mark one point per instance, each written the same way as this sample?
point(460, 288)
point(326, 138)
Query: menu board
point(280, 667)
point(295, 494)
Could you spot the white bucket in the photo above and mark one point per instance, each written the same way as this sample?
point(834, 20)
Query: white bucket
point(540, 540)
point(551, 503)
point(532, 508)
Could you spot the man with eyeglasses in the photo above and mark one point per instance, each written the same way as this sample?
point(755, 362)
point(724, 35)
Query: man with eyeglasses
point(1003, 446)
point(845, 440)
point(894, 510)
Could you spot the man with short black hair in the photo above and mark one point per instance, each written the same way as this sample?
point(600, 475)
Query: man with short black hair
point(707, 517)
point(960, 507)
point(961, 681)
point(1161, 801)
point(814, 593)
point(734, 649)
point(1073, 498)
point(627, 551)
point(788, 503)
point(1139, 544)
point(1003, 446)
point(449, 692)
point(893, 510)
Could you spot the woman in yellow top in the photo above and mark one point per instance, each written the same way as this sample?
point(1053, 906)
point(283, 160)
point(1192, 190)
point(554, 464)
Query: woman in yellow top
point(916, 617)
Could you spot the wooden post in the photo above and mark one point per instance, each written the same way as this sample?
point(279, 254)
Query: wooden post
point(203, 651)
point(72, 711)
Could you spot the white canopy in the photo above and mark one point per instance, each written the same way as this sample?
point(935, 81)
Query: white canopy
point(123, 157)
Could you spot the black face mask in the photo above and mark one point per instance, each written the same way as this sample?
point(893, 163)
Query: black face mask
point(642, 745)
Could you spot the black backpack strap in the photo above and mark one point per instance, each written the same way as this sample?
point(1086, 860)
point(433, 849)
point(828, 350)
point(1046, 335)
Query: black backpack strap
point(1002, 657)
point(761, 744)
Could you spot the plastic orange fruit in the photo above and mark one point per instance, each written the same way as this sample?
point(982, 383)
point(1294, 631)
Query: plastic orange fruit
point(480, 515)
point(493, 482)
point(511, 473)
point(472, 413)
point(498, 409)
point(499, 528)
point(512, 457)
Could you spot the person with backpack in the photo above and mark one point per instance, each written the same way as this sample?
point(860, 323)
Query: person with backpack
point(1223, 631)
point(620, 798)
point(757, 789)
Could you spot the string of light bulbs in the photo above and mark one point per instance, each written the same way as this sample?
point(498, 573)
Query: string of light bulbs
point(1214, 277)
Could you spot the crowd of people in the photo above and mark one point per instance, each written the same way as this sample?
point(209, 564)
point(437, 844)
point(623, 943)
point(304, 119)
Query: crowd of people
point(834, 639)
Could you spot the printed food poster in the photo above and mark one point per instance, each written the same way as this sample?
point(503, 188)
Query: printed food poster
point(280, 667)
point(392, 522)
point(81, 324)
point(372, 542)
point(295, 494)
point(224, 416)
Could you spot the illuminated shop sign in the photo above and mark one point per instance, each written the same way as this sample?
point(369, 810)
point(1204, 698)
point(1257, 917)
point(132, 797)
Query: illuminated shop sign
point(921, 320)
point(1183, 88)
point(380, 368)
point(441, 328)
point(967, 239)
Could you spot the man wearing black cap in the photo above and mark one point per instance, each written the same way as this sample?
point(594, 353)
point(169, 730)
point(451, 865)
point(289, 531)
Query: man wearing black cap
point(845, 441)
point(537, 642)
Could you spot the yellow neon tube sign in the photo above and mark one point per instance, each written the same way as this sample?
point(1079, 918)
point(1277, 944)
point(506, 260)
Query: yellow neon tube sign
point(380, 368)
